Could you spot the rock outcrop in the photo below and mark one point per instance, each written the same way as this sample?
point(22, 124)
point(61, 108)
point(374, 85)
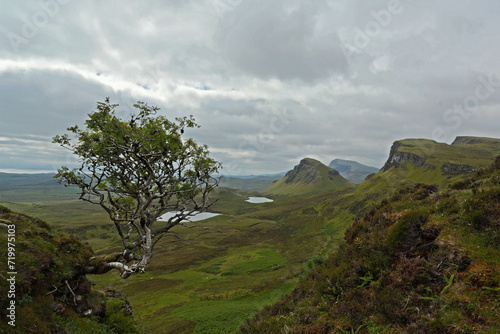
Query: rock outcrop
point(449, 168)
point(305, 172)
point(398, 159)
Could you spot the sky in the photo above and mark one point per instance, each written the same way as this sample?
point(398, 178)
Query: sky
point(270, 82)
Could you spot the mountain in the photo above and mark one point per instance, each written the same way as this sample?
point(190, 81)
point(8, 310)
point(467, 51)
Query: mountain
point(424, 260)
point(351, 170)
point(308, 177)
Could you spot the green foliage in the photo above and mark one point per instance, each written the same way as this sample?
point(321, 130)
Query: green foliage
point(449, 281)
point(118, 320)
point(76, 325)
point(367, 279)
point(352, 330)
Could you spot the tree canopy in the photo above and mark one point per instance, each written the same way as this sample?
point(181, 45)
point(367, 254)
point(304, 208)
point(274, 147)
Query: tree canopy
point(137, 170)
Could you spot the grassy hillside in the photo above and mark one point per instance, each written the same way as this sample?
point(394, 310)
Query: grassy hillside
point(351, 170)
point(474, 152)
point(422, 161)
point(424, 261)
point(308, 177)
point(201, 279)
point(45, 264)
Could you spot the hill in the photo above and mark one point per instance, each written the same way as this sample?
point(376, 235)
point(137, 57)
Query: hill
point(424, 261)
point(46, 290)
point(308, 177)
point(351, 170)
point(441, 161)
point(425, 161)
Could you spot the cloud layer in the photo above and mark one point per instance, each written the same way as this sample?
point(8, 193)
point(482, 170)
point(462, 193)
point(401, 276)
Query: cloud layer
point(270, 82)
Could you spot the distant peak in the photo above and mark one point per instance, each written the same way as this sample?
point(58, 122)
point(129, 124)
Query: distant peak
point(309, 176)
point(310, 161)
point(306, 171)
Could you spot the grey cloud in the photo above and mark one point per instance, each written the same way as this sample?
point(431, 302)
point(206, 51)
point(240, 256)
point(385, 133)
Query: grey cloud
point(267, 40)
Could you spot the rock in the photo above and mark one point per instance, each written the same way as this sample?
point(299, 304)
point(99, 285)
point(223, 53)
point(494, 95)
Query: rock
point(57, 307)
point(398, 159)
point(448, 168)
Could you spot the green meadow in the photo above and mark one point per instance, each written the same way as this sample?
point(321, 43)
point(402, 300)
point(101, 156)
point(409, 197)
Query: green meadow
point(209, 276)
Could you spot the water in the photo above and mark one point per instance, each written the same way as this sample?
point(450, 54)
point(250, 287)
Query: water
point(199, 216)
point(258, 200)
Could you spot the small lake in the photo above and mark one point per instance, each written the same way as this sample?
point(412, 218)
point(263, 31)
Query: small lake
point(258, 200)
point(199, 216)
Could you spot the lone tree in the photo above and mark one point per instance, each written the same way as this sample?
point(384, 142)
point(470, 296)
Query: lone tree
point(137, 170)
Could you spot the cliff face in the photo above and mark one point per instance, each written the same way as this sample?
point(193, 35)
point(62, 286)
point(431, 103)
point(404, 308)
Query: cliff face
point(448, 168)
point(464, 156)
point(307, 172)
point(398, 159)
point(309, 176)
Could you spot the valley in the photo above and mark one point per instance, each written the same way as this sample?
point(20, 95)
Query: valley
point(210, 276)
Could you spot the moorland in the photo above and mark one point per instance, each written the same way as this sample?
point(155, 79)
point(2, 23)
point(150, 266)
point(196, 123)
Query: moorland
point(327, 255)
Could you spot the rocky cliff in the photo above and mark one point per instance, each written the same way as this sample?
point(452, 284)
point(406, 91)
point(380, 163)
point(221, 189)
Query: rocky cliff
point(398, 159)
point(464, 156)
point(309, 176)
point(307, 172)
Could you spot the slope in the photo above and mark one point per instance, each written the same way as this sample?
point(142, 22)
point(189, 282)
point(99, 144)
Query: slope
point(425, 261)
point(351, 170)
point(45, 290)
point(308, 177)
point(413, 161)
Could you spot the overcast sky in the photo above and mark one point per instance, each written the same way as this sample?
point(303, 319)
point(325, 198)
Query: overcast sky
point(270, 82)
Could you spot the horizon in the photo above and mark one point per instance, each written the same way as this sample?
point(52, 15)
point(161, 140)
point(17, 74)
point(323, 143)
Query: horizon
point(267, 81)
point(272, 173)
